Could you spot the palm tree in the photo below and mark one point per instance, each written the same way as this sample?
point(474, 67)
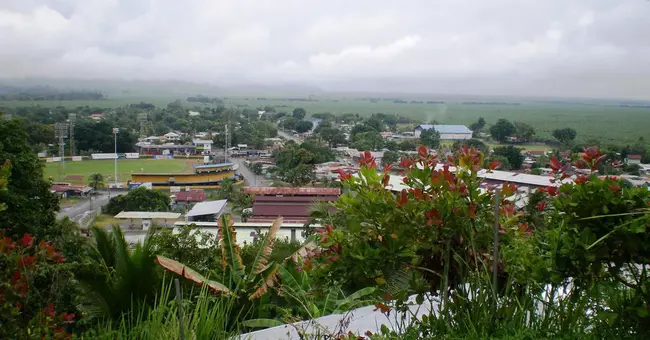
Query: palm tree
point(119, 280)
point(96, 181)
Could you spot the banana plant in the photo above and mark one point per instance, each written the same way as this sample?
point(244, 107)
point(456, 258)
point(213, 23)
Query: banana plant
point(254, 281)
point(296, 287)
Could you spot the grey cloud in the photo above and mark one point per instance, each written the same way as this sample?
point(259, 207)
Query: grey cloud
point(511, 46)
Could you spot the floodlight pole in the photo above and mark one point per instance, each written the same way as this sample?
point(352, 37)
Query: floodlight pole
point(115, 132)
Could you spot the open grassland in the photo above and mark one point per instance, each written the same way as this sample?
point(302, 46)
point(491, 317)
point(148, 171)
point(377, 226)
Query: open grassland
point(79, 172)
point(606, 122)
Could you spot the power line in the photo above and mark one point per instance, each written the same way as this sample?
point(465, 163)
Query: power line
point(71, 120)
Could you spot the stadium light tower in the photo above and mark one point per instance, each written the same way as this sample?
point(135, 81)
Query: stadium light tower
point(115, 132)
point(61, 132)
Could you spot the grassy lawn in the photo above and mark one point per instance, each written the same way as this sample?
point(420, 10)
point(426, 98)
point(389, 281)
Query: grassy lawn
point(125, 167)
point(104, 221)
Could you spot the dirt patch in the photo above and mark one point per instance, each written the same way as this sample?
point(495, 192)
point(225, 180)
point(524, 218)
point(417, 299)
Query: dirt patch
point(189, 164)
point(74, 178)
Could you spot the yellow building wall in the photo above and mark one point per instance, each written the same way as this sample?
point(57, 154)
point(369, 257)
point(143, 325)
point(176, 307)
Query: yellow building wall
point(180, 179)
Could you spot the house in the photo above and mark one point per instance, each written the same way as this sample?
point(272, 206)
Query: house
point(208, 211)
point(447, 132)
point(633, 159)
point(97, 116)
point(202, 145)
point(65, 190)
point(172, 136)
point(194, 113)
point(189, 197)
point(293, 204)
point(386, 135)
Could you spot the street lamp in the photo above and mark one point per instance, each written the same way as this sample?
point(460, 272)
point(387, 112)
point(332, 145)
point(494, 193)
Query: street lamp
point(115, 132)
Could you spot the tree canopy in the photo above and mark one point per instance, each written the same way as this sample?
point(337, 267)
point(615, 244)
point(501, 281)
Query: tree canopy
point(30, 206)
point(430, 138)
point(502, 130)
point(299, 113)
point(565, 135)
point(139, 199)
point(512, 154)
point(524, 132)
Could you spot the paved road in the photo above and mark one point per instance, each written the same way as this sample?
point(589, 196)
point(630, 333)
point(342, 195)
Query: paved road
point(250, 178)
point(82, 208)
point(289, 136)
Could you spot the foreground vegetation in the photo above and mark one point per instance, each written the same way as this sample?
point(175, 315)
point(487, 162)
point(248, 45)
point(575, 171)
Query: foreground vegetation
point(572, 263)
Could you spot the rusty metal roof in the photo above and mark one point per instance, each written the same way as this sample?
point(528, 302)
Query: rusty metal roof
point(305, 191)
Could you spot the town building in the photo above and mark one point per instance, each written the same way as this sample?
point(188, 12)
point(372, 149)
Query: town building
point(633, 159)
point(203, 146)
point(204, 177)
point(97, 116)
point(447, 132)
point(65, 190)
point(293, 204)
point(208, 211)
point(189, 197)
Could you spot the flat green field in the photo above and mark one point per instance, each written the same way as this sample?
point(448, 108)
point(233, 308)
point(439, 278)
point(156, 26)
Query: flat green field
point(605, 121)
point(79, 172)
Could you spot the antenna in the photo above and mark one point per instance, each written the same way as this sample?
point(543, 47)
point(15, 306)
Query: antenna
point(61, 132)
point(228, 132)
point(71, 118)
point(142, 118)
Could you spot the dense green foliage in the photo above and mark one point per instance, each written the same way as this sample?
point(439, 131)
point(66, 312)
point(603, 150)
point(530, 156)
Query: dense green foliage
point(512, 154)
point(430, 138)
point(30, 205)
point(502, 130)
point(139, 199)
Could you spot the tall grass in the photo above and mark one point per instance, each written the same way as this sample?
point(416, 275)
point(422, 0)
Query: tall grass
point(205, 317)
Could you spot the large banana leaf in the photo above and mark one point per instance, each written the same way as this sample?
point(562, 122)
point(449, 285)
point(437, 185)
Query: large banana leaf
point(230, 252)
point(302, 251)
point(269, 277)
point(263, 254)
point(191, 274)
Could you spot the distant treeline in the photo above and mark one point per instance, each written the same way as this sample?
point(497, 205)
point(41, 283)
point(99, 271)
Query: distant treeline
point(490, 103)
point(204, 100)
point(632, 106)
point(40, 93)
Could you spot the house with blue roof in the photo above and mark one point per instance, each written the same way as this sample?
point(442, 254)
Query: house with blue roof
point(447, 132)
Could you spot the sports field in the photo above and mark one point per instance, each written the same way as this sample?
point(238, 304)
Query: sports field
point(79, 172)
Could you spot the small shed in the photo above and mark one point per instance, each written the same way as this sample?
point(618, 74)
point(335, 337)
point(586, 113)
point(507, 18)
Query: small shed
point(206, 211)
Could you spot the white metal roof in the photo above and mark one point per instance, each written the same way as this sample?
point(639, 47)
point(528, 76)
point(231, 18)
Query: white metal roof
point(148, 215)
point(241, 224)
point(207, 208)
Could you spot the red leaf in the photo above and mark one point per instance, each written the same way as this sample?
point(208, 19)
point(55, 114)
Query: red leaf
point(344, 176)
point(403, 199)
point(555, 164)
point(541, 205)
point(615, 188)
point(494, 164)
point(385, 180)
point(382, 307)
point(27, 241)
point(581, 179)
point(508, 189)
point(422, 152)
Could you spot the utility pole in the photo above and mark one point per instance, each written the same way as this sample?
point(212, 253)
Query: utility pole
point(61, 132)
point(71, 119)
point(115, 132)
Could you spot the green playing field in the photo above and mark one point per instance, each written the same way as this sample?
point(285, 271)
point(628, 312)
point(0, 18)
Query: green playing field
point(79, 172)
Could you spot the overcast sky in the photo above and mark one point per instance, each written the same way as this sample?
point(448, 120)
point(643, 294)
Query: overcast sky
point(598, 48)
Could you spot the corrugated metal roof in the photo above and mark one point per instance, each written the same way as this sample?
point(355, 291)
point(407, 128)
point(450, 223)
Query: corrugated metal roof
point(197, 195)
point(445, 128)
point(284, 210)
point(292, 191)
point(207, 208)
point(240, 224)
point(288, 199)
point(148, 215)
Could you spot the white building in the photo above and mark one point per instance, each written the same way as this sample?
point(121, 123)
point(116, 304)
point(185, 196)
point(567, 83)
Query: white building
point(203, 144)
point(172, 136)
point(194, 113)
point(447, 132)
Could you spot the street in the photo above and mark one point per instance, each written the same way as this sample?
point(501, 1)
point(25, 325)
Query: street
point(81, 209)
point(250, 178)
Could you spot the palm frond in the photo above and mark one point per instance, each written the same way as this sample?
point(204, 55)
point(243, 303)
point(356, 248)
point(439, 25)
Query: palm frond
point(104, 246)
point(262, 323)
point(230, 252)
point(262, 258)
point(190, 274)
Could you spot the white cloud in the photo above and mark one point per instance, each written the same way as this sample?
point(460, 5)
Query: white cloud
point(429, 44)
